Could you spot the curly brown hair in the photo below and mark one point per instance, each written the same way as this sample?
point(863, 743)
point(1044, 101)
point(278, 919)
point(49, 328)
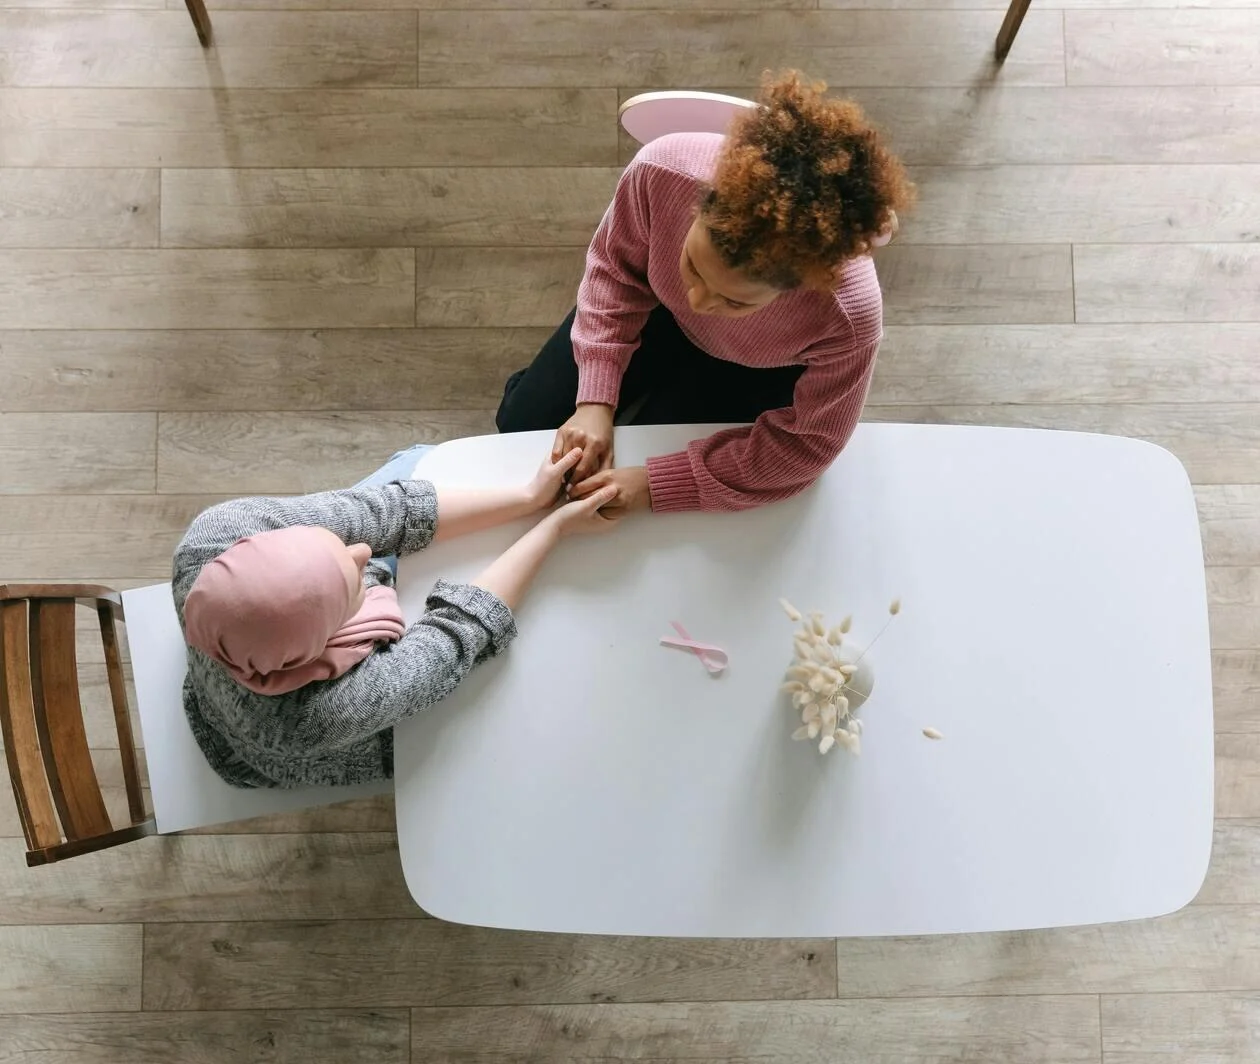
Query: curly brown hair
point(803, 184)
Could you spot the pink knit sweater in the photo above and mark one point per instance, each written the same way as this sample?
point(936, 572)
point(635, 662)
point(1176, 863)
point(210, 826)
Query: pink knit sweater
point(632, 266)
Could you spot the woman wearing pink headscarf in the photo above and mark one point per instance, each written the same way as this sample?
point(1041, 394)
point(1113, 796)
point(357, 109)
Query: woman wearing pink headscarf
point(299, 660)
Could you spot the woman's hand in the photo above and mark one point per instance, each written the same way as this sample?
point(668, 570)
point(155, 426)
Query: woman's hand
point(590, 429)
point(511, 574)
point(585, 517)
point(632, 490)
point(547, 487)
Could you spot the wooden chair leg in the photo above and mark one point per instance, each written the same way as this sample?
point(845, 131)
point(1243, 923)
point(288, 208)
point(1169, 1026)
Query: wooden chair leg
point(201, 19)
point(1006, 35)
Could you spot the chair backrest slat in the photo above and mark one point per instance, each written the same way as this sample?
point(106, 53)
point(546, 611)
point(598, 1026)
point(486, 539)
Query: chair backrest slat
point(59, 719)
point(21, 736)
point(55, 783)
point(122, 718)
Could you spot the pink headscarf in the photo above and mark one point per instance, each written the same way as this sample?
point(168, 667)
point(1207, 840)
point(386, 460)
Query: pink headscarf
point(272, 610)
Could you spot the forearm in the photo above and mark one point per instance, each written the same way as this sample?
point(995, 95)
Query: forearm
point(783, 452)
point(510, 575)
point(461, 511)
point(614, 298)
point(738, 469)
point(461, 626)
point(605, 336)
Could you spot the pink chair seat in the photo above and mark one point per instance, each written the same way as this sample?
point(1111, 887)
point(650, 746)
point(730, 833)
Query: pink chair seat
point(655, 114)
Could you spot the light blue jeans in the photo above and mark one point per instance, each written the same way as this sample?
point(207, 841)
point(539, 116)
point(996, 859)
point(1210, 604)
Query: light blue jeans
point(399, 467)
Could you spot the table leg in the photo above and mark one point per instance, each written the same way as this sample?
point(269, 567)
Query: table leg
point(1010, 26)
point(201, 20)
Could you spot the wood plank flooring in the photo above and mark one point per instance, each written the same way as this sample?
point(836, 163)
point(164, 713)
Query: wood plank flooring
point(265, 267)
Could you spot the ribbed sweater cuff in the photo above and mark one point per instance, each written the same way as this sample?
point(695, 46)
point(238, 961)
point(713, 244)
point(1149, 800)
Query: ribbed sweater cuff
point(599, 381)
point(672, 483)
point(422, 514)
point(492, 613)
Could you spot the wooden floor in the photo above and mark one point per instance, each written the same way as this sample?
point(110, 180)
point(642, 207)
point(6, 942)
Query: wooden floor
point(266, 267)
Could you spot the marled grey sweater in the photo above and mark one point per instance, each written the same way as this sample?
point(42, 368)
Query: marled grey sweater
point(335, 731)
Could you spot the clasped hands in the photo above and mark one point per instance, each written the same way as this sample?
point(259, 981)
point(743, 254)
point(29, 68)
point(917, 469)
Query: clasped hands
point(590, 430)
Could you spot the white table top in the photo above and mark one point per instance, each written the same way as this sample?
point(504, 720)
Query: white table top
point(1054, 629)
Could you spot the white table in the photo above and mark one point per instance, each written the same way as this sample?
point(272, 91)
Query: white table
point(1054, 629)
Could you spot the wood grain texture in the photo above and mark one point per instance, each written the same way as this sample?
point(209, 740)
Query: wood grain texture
point(1082, 204)
point(51, 453)
point(1001, 5)
point(63, 744)
point(336, 127)
point(248, 454)
point(1230, 518)
point(358, 814)
point(480, 287)
point(1238, 775)
point(1181, 1028)
point(1234, 875)
point(1200, 948)
point(98, 714)
point(992, 124)
point(207, 289)
point(505, 5)
point(281, 364)
point(1234, 595)
point(1030, 1030)
point(276, 369)
point(1167, 282)
point(1219, 443)
point(1065, 364)
point(545, 207)
point(969, 284)
point(611, 48)
point(427, 962)
point(263, 49)
point(105, 536)
point(374, 814)
point(213, 877)
point(329, 1036)
point(70, 969)
point(1236, 677)
point(998, 124)
point(89, 5)
point(108, 772)
point(1187, 47)
point(78, 208)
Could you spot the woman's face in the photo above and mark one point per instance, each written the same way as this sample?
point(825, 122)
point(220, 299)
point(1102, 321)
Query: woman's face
point(712, 286)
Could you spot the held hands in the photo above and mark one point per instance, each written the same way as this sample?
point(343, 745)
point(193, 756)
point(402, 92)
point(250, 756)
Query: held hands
point(631, 490)
point(590, 515)
point(591, 430)
point(547, 487)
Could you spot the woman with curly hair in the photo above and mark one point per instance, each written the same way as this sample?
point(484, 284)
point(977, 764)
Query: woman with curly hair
point(729, 281)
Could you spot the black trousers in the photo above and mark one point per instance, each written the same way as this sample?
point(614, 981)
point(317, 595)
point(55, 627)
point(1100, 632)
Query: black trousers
point(678, 383)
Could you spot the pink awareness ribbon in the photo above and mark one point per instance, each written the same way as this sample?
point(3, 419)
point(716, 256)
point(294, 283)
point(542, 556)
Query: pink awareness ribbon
point(713, 658)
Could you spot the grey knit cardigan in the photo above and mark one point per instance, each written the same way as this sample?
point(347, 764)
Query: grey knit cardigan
point(335, 731)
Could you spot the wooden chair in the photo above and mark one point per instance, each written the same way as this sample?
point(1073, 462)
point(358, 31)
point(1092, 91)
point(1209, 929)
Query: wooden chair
point(1010, 26)
point(58, 793)
point(201, 20)
point(59, 797)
